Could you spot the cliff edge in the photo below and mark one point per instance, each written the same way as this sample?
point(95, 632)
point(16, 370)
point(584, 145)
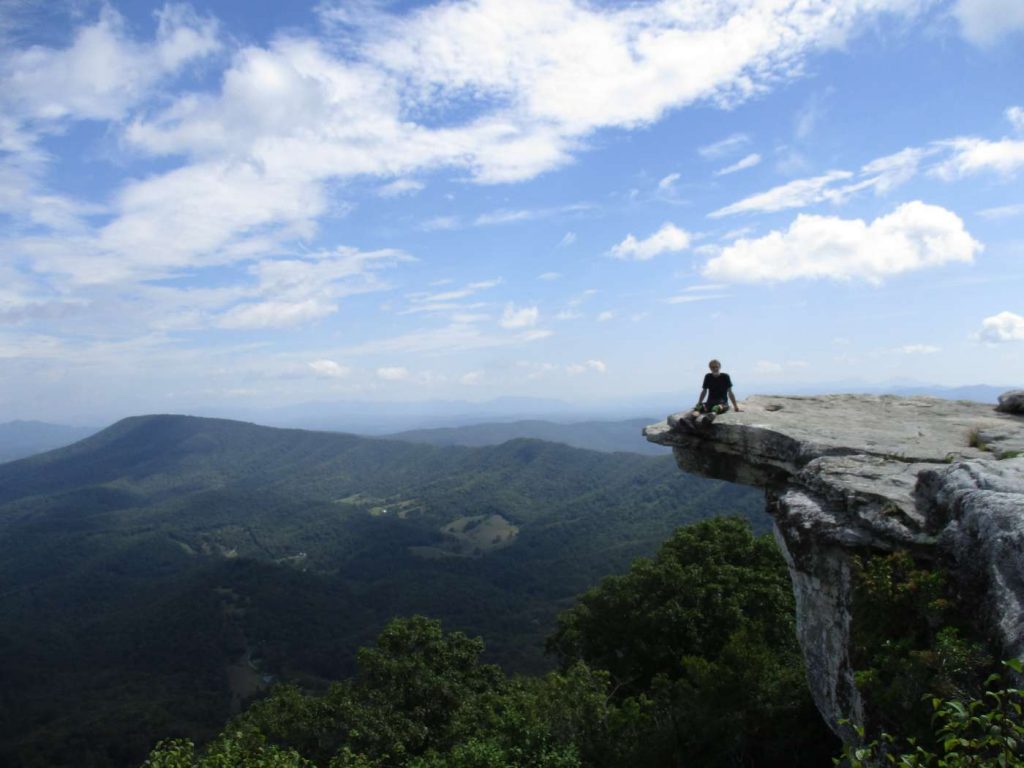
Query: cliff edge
point(852, 474)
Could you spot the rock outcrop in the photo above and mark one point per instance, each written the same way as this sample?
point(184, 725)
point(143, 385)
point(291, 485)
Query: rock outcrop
point(849, 474)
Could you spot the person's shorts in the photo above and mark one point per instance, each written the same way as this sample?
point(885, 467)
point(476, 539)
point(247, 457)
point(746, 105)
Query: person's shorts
point(714, 407)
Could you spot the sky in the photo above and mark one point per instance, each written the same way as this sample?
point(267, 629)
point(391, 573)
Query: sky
point(259, 204)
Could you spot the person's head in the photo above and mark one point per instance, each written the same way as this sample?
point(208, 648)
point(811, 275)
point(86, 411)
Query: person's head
point(715, 366)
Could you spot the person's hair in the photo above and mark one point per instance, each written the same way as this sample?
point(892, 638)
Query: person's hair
point(714, 362)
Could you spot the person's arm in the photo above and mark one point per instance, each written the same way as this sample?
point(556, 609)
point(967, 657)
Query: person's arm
point(735, 405)
point(700, 400)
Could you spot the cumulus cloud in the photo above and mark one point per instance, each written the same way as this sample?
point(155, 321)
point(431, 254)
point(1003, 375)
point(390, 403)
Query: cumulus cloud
point(329, 369)
point(985, 22)
point(519, 317)
point(1006, 326)
point(740, 165)
point(668, 239)
point(914, 236)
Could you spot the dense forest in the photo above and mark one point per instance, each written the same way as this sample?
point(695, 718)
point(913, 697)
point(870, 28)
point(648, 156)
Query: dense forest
point(689, 659)
point(156, 576)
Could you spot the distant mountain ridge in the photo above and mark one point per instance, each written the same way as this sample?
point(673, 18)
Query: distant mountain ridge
point(24, 438)
point(604, 436)
point(144, 567)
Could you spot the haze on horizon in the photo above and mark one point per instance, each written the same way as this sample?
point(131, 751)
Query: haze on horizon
point(223, 206)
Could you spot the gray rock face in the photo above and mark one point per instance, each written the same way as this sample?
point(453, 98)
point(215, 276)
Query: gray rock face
point(845, 474)
point(1011, 402)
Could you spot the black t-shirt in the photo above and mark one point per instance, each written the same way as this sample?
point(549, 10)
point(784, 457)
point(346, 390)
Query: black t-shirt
point(717, 386)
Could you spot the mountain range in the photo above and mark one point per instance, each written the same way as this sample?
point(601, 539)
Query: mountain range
point(158, 573)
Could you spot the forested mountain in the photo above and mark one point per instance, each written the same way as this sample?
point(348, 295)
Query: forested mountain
point(606, 436)
point(19, 439)
point(155, 574)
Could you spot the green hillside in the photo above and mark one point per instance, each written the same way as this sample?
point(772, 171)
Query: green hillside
point(157, 573)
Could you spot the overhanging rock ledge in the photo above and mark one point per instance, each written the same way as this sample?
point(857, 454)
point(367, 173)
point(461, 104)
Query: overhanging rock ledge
point(847, 474)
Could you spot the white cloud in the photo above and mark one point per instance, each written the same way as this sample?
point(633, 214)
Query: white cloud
point(740, 165)
point(1003, 211)
point(887, 173)
point(795, 194)
point(103, 72)
point(690, 298)
point(276, 314)
point(441, 223)
point(724, 147)
point(472, 378)
point(1016, 117)
point(918, 349)
point(291, 117)
point(549, 276)
point(1006, 326)
point(668, 239)
point(595, 366)
point(400, 187)
point(666, 184)
point(985, 22)
point(567, 239)
point(973, 155)
point(297, 291)
point(451, 301)
point(914, 236)
point(393, 373)
point(519, 317)
point(329, 369)
point(605, 316)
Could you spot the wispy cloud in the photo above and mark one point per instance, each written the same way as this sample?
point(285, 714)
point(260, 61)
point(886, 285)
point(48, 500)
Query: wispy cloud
point(740, 165)
point(1003, 211)
point(400, 187)
point(795, 194)
point(726, 146)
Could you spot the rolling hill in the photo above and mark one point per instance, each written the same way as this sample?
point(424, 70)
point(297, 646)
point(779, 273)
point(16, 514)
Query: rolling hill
point(155, 574)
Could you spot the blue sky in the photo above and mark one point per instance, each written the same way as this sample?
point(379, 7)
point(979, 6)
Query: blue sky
point(253, 204)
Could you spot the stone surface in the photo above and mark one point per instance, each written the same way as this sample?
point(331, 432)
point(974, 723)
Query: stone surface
point(846, 474)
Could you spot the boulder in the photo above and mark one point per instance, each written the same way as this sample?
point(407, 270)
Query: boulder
point(1012, 402)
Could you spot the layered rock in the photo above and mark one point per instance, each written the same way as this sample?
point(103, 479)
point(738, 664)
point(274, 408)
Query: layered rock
point(850, 474)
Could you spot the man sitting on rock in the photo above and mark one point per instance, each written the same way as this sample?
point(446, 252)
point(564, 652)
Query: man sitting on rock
point(717, 389)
